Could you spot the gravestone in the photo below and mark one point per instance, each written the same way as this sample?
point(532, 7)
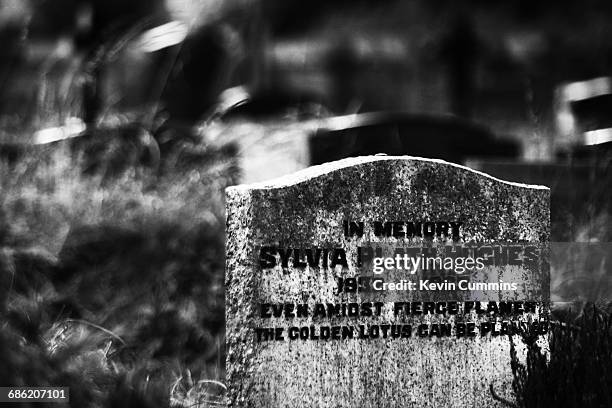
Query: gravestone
point(332, 301)
point(439, 137)
point(277, 148)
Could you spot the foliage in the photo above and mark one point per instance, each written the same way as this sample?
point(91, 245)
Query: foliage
point(577, 371)
point(113, 285)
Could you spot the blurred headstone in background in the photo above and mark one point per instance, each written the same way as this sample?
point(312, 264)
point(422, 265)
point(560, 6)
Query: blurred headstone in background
point(272, 149)
point(439, 137)
point(583, 113)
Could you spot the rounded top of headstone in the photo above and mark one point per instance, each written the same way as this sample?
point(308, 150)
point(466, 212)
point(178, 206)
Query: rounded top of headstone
point(326, 168)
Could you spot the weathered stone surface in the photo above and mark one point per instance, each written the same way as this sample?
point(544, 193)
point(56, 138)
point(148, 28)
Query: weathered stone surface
point(307, 210)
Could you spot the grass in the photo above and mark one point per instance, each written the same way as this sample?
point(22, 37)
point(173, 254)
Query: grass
point(113, 285)
point(577, 370)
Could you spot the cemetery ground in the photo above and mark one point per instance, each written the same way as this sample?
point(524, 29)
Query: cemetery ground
point(112, 285)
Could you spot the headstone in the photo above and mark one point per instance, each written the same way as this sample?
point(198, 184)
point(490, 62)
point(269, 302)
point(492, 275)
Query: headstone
point(277, 148)
point(438, 137)
point(332, 301)
point(265, 151)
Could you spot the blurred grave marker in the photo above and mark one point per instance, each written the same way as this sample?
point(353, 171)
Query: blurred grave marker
point(306, 321)
point(439, 137)
point(271, 150)
point(582, 113)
